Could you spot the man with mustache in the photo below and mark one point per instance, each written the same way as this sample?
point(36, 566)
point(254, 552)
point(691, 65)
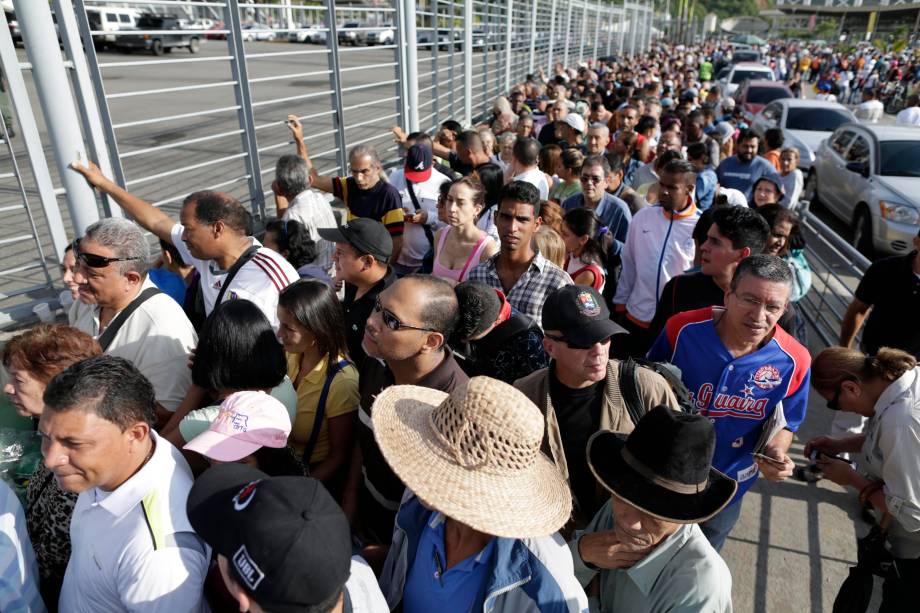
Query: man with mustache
point(518, 269)
point(740, 368)
point(579, 393)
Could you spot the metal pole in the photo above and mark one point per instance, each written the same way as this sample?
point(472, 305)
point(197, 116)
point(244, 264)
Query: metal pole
point(402, 81)
point(61, 119)
point(412, 62)
point(19, 96)
point(568, 29)
point(597, 29)
point(90, 91)
point(611, 19)
point(468, 62)
point(450, 61)
point(332, 55)
point(508, 25)
point(633, 27)
point(533, 36)
point(552, 37)
point(243, 97)
point(584, 32)
point(621, 30)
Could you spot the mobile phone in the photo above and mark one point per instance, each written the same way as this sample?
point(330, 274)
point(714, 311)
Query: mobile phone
point(769, 459)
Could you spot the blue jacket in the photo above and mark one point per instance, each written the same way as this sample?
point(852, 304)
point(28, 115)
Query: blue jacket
point(526, 575)
point(613, 213)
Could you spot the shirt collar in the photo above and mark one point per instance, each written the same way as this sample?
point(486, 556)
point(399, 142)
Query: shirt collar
point(129, 494)
point(646, 571)
point(896, 389)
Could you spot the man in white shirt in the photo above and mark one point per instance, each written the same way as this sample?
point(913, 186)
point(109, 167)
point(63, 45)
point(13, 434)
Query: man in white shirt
point(295, 200)
point(418, 178)
point(133, 548)
point(871, 108)
point(910, 114)
point(128, 316)
point(524, 159)
point(214, 237)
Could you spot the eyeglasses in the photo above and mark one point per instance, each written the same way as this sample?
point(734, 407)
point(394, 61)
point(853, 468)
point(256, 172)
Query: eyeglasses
point(834, 403)
point(591, 179)
point(93, 260)
point(392, 322)
point(572, 344)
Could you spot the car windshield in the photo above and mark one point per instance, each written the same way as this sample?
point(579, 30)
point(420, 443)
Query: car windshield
point(765, 95)
point(815, 119)
point(899, 158)
point(744, 75)
point(149, 22)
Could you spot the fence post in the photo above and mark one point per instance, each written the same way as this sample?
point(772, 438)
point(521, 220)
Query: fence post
point(584, 23)
point(402, 80)
point(244, 101)
point(621, 29)
point(508, 38)
point(597, 30)
point(57, 104)
point(412, 62)
point(611, 20)
point(633, 26)
point(332, 55)
point(468, 62)
point(552, 39)
point(533, 36)
point(568, 29)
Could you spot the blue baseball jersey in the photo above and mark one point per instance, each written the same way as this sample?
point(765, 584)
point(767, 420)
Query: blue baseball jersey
point(738, 395)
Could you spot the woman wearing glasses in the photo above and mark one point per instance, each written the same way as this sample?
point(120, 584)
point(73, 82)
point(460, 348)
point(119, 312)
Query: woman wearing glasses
point(461, 246)
point(886, 389)
point(313, 334)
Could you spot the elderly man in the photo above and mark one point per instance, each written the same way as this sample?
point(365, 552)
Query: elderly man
point(598, 139)
point(581, 390)
point(740, 368)
point(213, 236)
point(406, 335)
point(133, 548)
point(555, 113)
point(476, 528)
point(644, 546)
point(612, 211)
point(128, 315)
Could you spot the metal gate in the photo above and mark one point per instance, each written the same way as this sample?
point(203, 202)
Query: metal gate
point(166, 125)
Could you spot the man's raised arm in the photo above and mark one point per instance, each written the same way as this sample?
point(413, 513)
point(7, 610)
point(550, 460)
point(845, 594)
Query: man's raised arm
point(317, 181)
point(147, 216)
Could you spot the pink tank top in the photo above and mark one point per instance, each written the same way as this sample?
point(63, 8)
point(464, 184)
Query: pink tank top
point(452, 275)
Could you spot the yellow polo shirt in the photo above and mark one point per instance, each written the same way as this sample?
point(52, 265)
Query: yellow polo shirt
point(343, 398)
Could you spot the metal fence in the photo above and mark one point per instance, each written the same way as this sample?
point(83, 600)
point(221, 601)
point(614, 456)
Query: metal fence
point(164, 126)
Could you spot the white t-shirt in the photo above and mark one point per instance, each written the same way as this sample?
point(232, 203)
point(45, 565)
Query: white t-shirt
point(18, 568)
point(415, 243)
point(537, 178)
point(260, 280)
point(133, 549)
point(157, 338)
point(870, 110)
point(314, 211)
point(909, 116)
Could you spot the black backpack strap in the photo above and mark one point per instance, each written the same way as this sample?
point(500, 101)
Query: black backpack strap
point(629, 390)
point(106, 338)
point(240, 262)
point(333, 370)
point(428, 233)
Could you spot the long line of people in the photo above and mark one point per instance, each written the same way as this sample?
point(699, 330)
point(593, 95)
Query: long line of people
point(426, 408)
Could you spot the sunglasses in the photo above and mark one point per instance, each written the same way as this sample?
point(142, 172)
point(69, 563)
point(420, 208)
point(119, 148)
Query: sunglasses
point(834, 403)
point(95, 261)
point(572, 344)
point(392, 322)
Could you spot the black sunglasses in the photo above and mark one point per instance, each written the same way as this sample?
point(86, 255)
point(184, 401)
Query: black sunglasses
point(392, 322)
point(95, 261)
point(572, 344)
point(834, 403)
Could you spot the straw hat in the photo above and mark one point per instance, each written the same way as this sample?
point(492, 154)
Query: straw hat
point(474, 455)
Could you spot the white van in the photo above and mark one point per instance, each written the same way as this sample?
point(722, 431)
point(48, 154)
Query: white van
point(108, 19)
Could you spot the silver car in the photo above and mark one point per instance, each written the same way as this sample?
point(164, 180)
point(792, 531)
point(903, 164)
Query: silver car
point(805, 124)
point(869, 176)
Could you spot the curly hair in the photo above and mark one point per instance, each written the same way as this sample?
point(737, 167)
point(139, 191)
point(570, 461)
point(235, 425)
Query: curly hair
point(45, 350)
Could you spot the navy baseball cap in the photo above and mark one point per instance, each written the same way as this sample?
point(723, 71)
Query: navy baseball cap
point(418, 163)
point(286, 540)
point(367, 236)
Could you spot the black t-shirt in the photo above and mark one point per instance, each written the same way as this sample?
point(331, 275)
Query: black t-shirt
point(578, 412)
point(356, 313)
point(547, 135)
point(511, 351)
point(892, 288)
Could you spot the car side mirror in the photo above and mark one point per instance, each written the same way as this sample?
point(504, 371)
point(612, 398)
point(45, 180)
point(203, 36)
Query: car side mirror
point(860, 168)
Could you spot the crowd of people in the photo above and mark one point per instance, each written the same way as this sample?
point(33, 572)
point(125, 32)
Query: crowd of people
point(536, 367)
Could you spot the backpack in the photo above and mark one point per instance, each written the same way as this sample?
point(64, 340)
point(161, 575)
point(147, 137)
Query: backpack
point(629, 386)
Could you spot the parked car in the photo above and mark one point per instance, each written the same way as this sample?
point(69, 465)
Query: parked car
point(746, 55)
point(107, 19)
point(752, 96)
point(257, 31)
point(13, 24)
point(805, 124)
point(385, 35)
point(309, 34)
point(867, 175)
point(350, 34)
point(162, 34)
point(214, 33)
point(745, 71)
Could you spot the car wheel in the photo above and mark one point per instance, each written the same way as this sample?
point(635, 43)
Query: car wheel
point(157, 47)
point(194, 45)
point(862, 232)
point(810, 192)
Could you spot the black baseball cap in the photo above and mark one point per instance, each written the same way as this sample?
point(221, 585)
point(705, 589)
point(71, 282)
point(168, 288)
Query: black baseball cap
point(580, 314)
point(367, 236)
point(285, 539)
point(418, 163)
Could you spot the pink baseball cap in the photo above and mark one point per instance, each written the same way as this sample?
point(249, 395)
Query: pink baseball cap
point(246, 422)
